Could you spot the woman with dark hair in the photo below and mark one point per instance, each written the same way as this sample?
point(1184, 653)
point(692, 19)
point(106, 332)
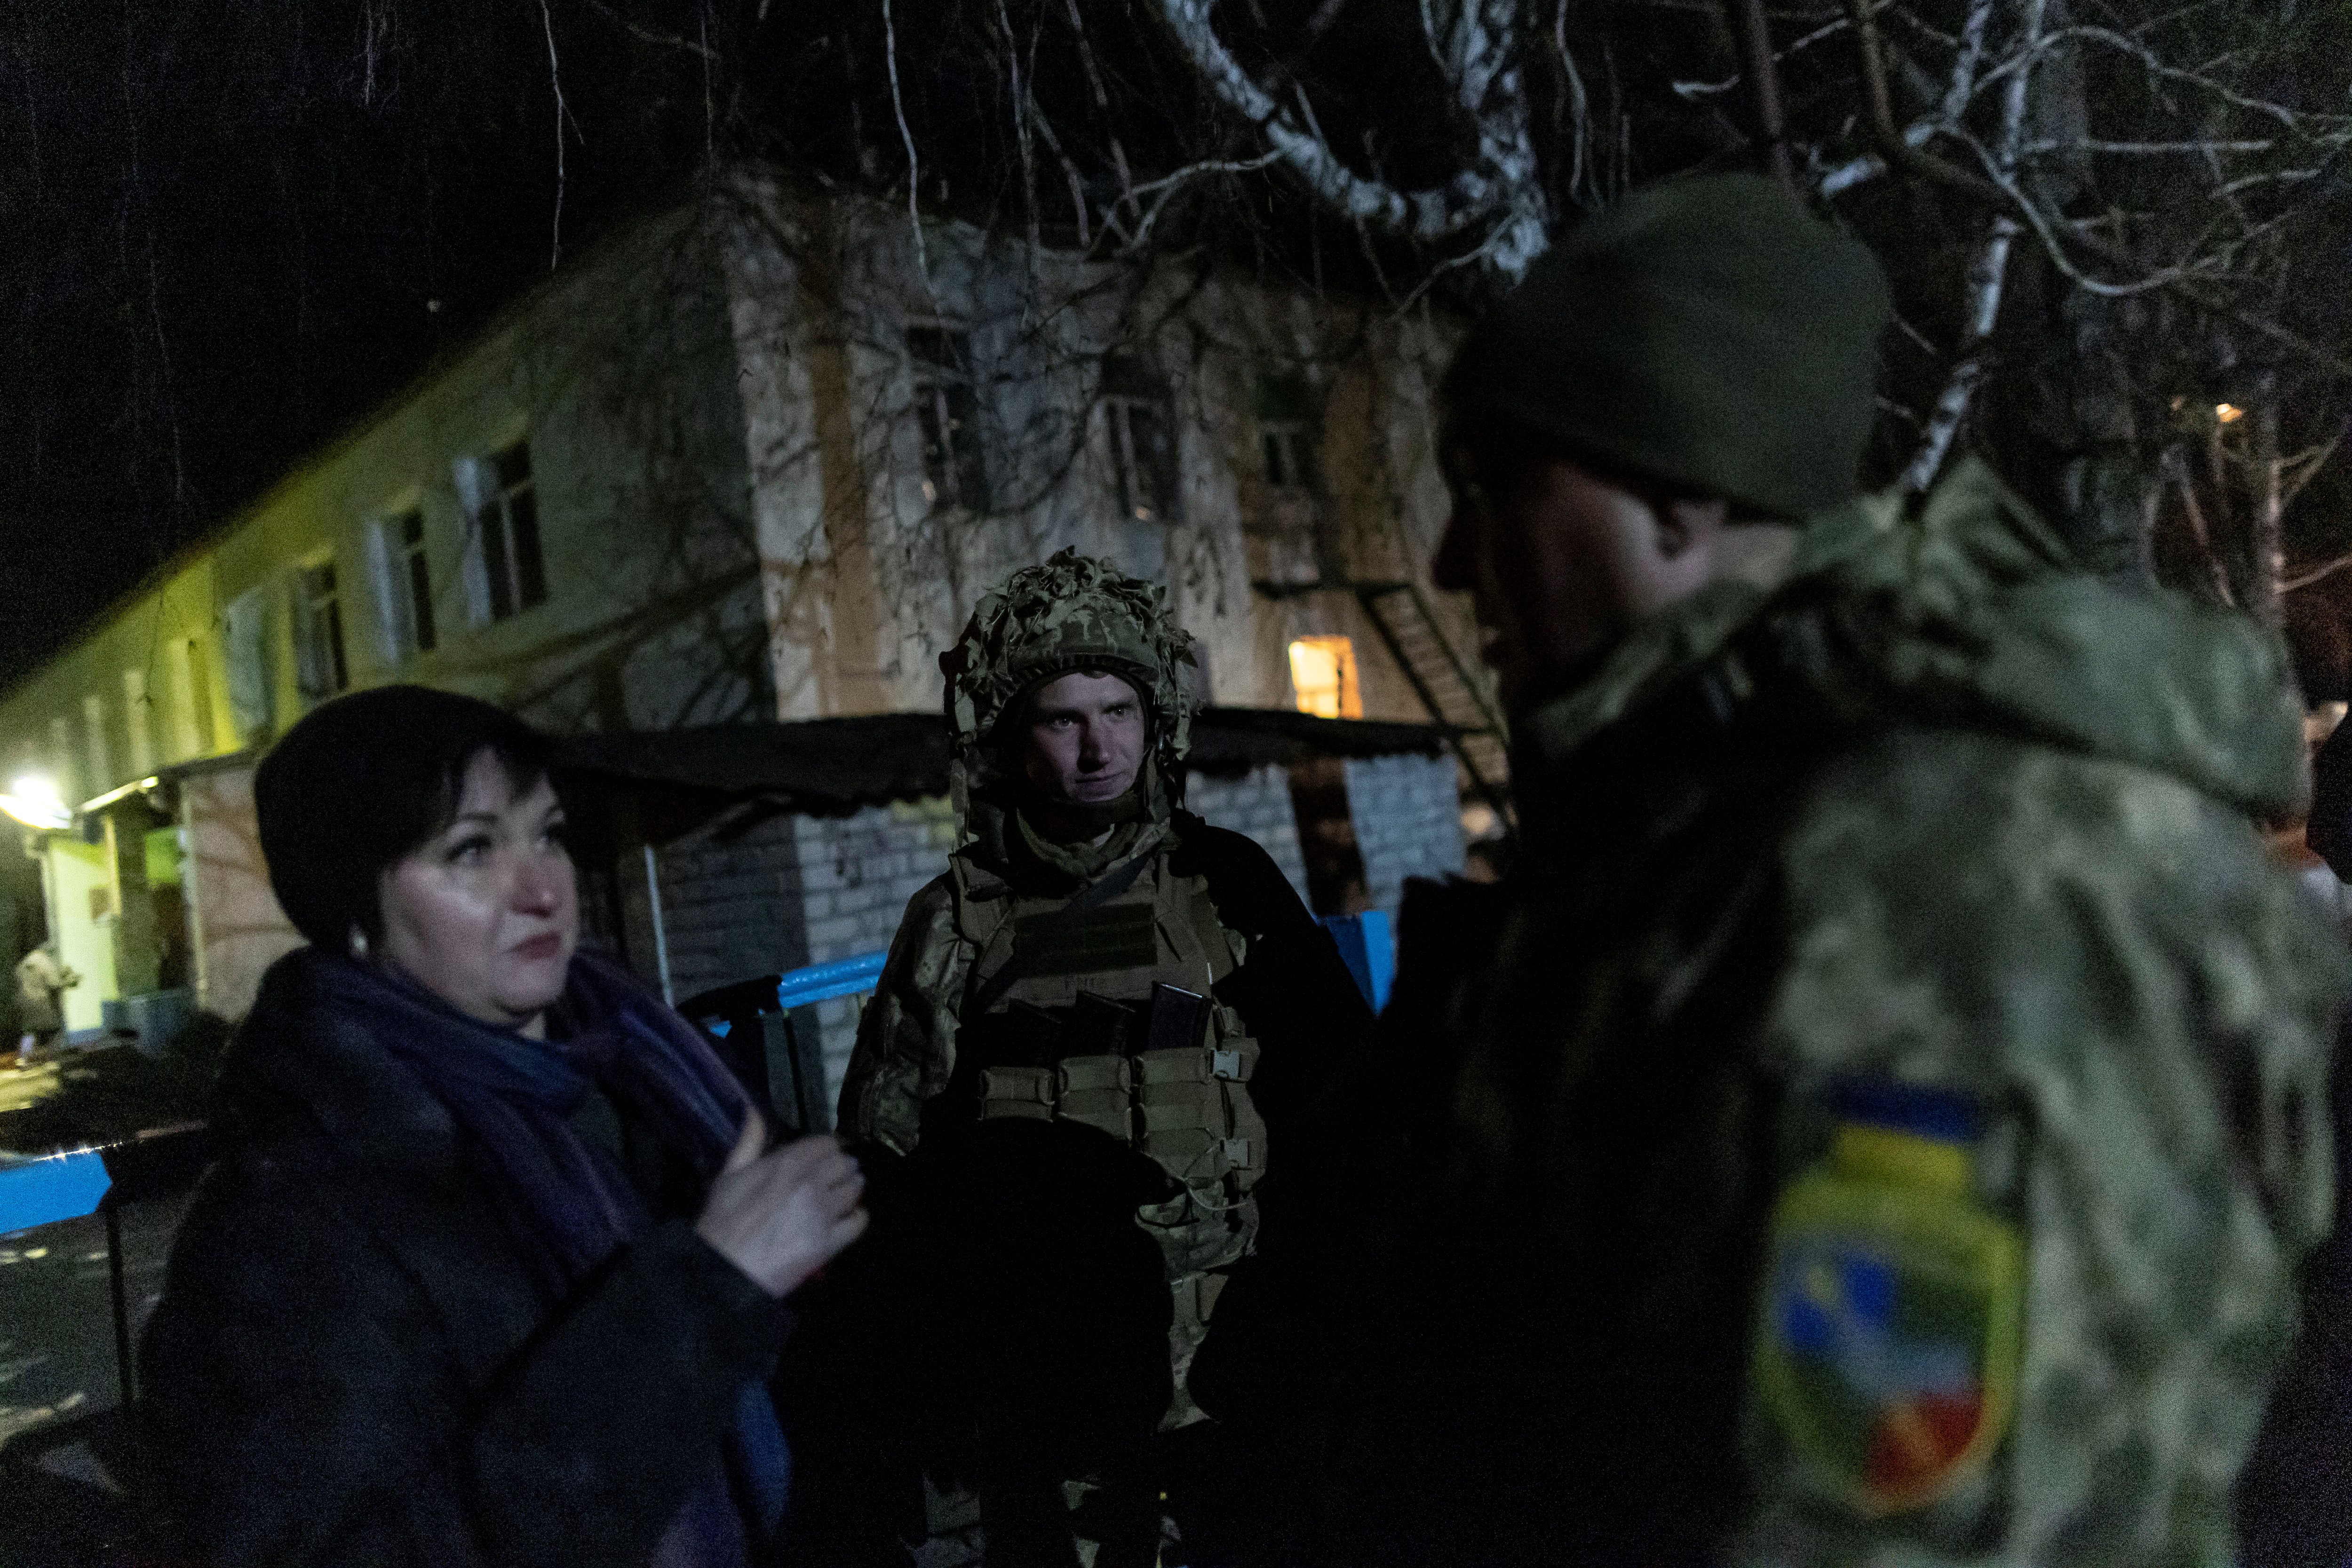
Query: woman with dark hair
point(493, 1267)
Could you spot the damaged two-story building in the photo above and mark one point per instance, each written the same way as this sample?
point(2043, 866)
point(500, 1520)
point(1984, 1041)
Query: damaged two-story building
point(708, 502)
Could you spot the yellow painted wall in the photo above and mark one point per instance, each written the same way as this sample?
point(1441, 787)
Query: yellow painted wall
point(150, 637)
point(619, 374)
point(613, 375)
point(85, 945)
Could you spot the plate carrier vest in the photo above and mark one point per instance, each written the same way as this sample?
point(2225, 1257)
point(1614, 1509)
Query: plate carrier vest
point(1187, 1108)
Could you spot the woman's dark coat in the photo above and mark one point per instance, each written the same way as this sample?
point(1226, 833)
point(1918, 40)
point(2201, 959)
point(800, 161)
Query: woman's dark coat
point(351, 1363)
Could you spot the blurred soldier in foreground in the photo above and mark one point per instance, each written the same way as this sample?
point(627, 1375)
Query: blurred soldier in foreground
point(2294, 1496)
point(1891, 1099)
point(1085, 1030)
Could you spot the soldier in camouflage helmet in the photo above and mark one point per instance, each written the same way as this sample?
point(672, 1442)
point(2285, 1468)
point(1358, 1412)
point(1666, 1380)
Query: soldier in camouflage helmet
point(1085, 1046)
point(1886, 1106)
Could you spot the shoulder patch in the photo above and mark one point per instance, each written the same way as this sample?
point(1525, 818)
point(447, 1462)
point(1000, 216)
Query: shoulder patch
point(1887, 1342)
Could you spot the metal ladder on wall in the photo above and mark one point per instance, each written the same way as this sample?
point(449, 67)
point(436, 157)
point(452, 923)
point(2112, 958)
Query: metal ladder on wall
point(1447, 688)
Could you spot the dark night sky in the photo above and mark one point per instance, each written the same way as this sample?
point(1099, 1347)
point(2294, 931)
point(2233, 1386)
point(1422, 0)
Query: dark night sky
point(223, 229)
point(226, 231)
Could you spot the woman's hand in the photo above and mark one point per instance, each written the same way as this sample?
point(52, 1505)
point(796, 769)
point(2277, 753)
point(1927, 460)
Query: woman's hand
point(781, 1217)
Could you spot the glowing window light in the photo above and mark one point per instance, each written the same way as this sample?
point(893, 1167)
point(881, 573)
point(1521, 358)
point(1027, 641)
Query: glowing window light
point(2228, 412)
point(1323, 673)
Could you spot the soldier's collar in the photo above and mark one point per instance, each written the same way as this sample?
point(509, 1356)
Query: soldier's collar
point(1687, 635)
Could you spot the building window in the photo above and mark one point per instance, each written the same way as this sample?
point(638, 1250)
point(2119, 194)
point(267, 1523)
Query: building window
point(947, 412)
point(510, 536)
point(249, 662)
point(1142, 420)
point(319, 633)
point(1287, 424)
point(415, 574)
point(504, 573)
point(1323, 673)
point(404, 585)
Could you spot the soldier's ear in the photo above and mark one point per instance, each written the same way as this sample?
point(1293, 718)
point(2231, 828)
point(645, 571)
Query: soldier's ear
point(1684, 520)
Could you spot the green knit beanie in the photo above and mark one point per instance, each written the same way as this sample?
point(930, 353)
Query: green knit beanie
point(1708, 332)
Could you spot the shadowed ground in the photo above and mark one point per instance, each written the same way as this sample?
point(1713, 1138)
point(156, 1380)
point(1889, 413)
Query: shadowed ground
point(60, 1385)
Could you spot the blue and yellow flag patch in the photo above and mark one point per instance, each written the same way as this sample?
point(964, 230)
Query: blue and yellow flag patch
point(1887, 1345)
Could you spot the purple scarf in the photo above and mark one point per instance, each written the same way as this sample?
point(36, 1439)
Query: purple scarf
point(567, 1210)
point(512, 1098)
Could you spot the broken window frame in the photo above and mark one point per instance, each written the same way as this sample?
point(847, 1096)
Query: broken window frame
point(947, 418)
point(1140, 421)
point(1289, 431)
point(504, 572)
point(413, 578)
point(400, 570)
point(321, 658)
point(514, 566)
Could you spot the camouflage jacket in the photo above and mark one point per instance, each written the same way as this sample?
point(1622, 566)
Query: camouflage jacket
point(1887, 1119)
point(914, 1087)
point(1289, 986)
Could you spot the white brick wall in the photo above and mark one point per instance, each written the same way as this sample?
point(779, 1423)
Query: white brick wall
point(792, 890)
point(858, 875)
point(788, 892)
point(730, 907)
point(1408, 817)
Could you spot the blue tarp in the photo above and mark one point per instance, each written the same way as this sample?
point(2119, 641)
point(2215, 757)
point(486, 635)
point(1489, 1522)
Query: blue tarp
point(53, 1187)
point(716, 1010)
point(820, 982)
point(1368, 946)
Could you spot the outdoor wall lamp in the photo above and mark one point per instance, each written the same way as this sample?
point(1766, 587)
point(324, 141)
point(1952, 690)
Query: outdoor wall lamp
point(33, 800)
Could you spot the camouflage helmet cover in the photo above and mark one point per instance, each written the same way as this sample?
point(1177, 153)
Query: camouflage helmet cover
point(1073, 613)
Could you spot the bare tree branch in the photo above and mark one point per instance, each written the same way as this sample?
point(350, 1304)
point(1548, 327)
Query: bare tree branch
point(659, 40)
point(555, 80)
point(1167, 186)
point(2143, 149)
point(1503, 192)
point(1021, 133)
point(2176, 468)
point(1070, 171)
point(2316, 574)
point(1989, 269)
point(914, 160)
point(1575, 105)
point(1894, 146)
point(2267, 546)
point(2297, 121)
point(2305, 466)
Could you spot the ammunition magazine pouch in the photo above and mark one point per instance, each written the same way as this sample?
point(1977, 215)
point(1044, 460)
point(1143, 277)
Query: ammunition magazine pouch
point(1188, 1110)
point(1099, 1091)
point(1017, 1091)
point(1194, 1115)
point(1100, 1011)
